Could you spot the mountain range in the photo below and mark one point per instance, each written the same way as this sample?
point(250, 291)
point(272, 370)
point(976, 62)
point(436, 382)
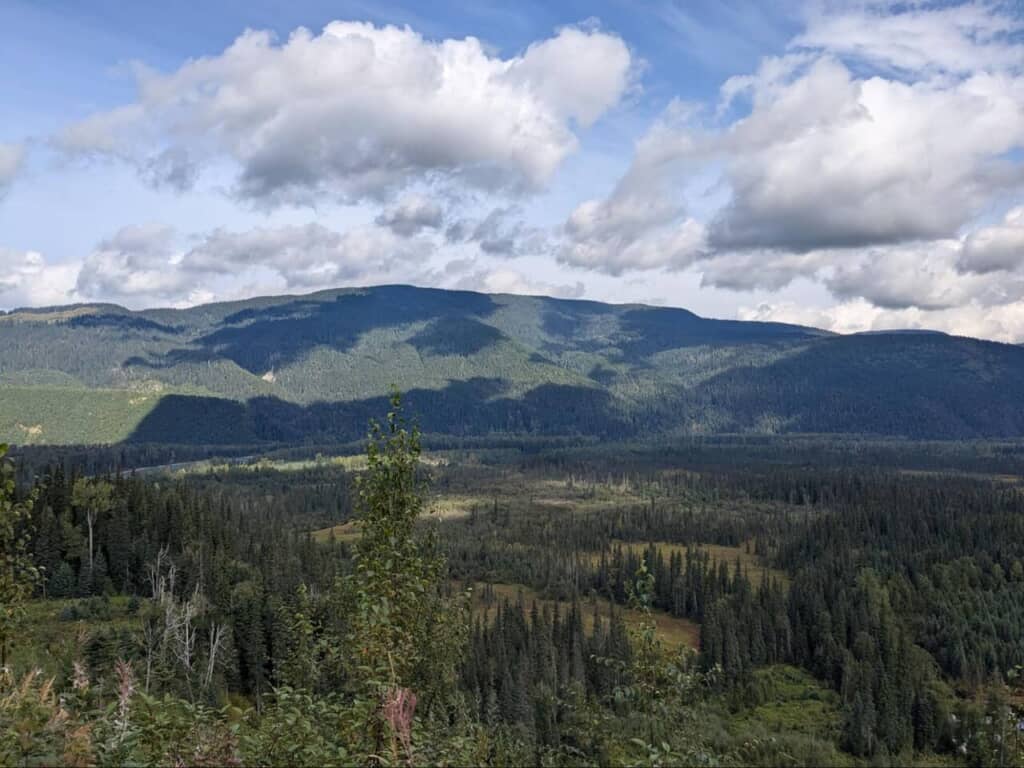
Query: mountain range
point(289, 369)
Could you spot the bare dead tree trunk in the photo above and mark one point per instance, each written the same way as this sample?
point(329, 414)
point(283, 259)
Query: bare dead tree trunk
point(216, 642)
point(149, 634)
point(173, 637)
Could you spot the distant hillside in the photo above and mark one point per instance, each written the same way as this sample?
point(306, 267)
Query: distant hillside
point(295, 368)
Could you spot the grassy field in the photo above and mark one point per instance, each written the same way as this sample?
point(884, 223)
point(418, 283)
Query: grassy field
point(341, 532)
point(58, 632)
point(65, 415)
point(440, 508)
point(348, 462)
point(751, 563)
point(792, 700)
point(673, 631)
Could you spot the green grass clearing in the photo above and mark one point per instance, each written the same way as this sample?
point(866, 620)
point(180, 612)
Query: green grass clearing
point(674, 632)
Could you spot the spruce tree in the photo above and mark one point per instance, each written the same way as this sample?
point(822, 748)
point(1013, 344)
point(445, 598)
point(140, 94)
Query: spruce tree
point(18, 572)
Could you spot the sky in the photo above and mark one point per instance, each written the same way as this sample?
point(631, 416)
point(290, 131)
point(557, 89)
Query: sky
point(849, 165)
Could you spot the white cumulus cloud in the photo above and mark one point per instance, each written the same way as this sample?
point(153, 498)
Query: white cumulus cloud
point(361, 112)
point(996, 248)
point(28, 280)
point(1004, 323)
point(505, 280)
point(136, 263)
point(829, 160)
point(411, 215)
point(642, 224)
point(146, 264)
point(862, 160)
point(306, 256)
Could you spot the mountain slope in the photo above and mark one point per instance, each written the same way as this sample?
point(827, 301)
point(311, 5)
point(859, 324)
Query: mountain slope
point(292, 368)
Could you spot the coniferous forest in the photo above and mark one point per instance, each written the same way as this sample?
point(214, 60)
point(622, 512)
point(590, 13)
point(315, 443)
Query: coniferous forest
point(512, 384)
point(514, 604)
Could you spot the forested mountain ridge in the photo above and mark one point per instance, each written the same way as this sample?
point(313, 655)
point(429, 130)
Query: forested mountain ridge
point(289, 368)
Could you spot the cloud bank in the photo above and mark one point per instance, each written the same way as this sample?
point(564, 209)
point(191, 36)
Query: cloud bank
point(869, 172)
point(864, 160)
point(360, 112)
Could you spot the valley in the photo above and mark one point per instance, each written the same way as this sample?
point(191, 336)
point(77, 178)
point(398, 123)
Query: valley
point(624, 535)
point(545, 384)
point(777, 593)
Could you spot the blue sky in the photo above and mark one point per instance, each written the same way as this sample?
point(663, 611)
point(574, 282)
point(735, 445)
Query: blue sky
point(851, 165)
point(690, 46)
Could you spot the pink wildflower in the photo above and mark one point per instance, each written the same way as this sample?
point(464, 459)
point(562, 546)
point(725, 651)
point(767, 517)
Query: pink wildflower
point(399, 707)
point(79, 677)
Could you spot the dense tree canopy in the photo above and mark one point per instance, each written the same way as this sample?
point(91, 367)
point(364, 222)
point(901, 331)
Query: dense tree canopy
point(539, 605)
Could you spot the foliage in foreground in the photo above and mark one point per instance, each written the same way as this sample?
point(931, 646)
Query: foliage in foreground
point(372, 666)
point(256, 645)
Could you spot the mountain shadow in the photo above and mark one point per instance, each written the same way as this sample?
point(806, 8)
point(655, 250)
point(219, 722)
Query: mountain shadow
point(929, 386)
point(124, 322)
point(456, 336)
point(194, 420)
point(476, 407)
point(259, 339)
point(649, 330)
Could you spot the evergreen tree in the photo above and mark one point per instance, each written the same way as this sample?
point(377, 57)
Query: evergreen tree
point(18, 571)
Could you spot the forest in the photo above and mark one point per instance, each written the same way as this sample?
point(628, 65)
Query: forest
point(416, 600)
point(272, 371)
